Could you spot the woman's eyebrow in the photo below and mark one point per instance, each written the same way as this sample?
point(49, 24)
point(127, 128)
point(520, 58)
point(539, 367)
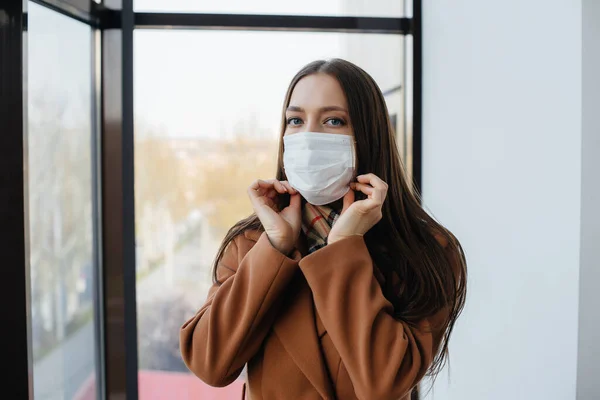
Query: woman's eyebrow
point(322, 109)
point(333, 108)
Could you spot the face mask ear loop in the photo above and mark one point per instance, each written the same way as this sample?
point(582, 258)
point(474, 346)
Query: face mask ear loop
point(354, 160)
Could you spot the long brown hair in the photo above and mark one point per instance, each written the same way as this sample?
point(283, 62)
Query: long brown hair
point(406, 242)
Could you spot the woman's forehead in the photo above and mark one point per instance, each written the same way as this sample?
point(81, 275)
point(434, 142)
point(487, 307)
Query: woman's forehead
point(318, 91)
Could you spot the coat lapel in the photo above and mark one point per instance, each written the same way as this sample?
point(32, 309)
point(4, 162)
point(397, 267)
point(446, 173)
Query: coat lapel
point(295, 328)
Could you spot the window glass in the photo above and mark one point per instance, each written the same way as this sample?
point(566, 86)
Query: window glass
point(60, 206)
point(207, 118)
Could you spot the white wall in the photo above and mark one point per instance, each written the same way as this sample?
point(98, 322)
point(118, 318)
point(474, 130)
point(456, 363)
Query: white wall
point(502, 170)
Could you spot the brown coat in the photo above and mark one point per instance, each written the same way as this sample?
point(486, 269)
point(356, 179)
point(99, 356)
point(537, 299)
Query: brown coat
point(313, 327)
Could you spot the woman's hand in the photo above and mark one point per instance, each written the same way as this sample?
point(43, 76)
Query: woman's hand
point(358, 217)
point(282, 227)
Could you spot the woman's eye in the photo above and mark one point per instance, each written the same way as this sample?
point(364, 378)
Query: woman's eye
point(335, 122)
point(294, 121)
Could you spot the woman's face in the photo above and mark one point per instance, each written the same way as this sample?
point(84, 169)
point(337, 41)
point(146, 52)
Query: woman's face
point(318, 104)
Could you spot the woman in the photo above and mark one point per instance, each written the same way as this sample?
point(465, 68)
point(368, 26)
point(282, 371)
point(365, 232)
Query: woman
point(340, 286)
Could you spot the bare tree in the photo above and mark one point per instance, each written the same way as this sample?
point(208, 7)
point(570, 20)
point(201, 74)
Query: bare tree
point(60, 190)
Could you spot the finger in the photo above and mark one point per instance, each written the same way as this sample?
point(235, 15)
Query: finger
point(289, 187)
point(292, 213)
point(362, 187)
point(268, 184)
point(262, 201)
point(273, 183)
point(380, 186)
point(261, 183)
point(254, 185)
point(348, 200)
point(279, 187)
point(271, 193)
point(373, 180)
point(262, 187)
point(257, 189)
point(254, 191)
point(296, 201)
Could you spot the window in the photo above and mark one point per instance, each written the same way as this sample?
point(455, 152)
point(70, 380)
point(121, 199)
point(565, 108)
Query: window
point(60, 206)
point(207, 106)
point(206, 94)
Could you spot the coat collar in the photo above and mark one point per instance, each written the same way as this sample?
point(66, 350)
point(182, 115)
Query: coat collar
point(296, 327)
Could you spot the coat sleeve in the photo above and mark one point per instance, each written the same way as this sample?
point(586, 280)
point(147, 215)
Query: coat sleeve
point(229, 328)
point(384, 357)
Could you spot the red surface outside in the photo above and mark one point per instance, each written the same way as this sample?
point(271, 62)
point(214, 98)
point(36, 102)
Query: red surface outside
point(160, 385)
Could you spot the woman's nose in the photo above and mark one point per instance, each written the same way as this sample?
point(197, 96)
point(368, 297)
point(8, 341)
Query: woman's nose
point(312, 125)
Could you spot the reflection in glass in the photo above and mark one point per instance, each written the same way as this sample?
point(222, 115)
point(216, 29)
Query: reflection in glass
point(208, 113)
point(356, 8)
point(60, 206)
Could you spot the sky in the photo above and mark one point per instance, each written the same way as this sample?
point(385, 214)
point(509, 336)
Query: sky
point(59, 66)
point(203, 83)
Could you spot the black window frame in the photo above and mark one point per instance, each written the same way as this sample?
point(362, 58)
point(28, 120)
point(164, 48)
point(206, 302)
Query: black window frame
point(113, 22)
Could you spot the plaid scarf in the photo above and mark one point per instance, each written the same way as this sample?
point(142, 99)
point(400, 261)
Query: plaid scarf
point(317, 222)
